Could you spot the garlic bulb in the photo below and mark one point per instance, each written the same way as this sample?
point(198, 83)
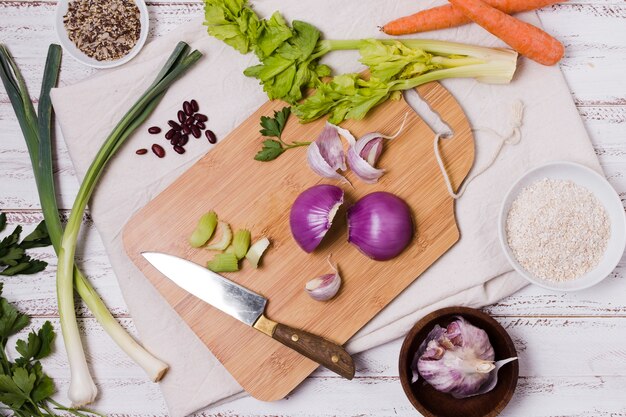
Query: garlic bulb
point(324, 287)
point(458, 359)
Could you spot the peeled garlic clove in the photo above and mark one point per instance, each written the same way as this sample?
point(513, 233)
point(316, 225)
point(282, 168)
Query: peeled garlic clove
point(324, 287)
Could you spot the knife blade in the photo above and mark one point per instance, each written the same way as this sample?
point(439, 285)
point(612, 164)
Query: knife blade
point(249, 307)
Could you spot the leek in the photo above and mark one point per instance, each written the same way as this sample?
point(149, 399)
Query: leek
point(82, 390)
point(37, 135)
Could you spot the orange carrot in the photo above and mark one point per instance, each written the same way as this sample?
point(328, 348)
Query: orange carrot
point(525, 38)
point(448, 16)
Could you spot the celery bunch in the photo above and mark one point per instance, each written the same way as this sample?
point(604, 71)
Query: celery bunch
point(289, 62)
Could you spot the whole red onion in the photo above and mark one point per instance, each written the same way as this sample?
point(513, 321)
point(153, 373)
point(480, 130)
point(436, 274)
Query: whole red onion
point(380, 225)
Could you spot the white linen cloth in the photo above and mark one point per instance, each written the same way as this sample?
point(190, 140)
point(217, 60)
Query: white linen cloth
point(473, 273)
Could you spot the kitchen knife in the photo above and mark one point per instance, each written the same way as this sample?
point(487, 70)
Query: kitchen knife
point(248, 307)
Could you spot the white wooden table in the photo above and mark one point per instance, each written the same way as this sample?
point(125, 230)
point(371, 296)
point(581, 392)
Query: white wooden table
point(572, 346)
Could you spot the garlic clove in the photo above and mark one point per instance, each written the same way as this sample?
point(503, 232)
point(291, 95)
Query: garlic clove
point(324, 287)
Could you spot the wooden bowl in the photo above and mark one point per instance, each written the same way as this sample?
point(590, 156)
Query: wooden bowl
point(432, 403)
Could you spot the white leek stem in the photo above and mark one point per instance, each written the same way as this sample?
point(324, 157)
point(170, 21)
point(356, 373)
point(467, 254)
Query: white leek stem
point(154, 367)
point(82, 389)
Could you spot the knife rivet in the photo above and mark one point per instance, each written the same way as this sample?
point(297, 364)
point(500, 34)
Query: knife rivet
point(294, 337)
point(334, 358)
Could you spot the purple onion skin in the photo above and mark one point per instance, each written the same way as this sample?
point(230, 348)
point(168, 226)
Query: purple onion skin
point(380, 225)
point(310, 217)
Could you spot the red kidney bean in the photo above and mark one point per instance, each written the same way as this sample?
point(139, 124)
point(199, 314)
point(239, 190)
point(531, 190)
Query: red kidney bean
point(187, 108)
point(195, 131)
point(141, 151)
point(200, 117)
point(183, 140)
point(181, 116)
point(190, 120)
point(186, 129)
point(158, 150)
point(179, 149)
point(175, 140)
point(194, 105)
point(201, 125)
point(170, 134)
point(210, 136)
point(174, 125)
point(154, 130)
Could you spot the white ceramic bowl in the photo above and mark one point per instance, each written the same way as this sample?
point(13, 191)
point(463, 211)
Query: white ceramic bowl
point(81, 57)
point(607, 196)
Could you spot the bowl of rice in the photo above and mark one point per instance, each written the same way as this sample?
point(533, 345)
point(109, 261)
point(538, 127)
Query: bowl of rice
point(562, 226)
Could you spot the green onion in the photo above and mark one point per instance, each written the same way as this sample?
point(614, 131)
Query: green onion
point(227, 236)
point(82, 391)
point(256, 251)
point(241, 243)
point(204, 230)
point(37, 134)
point(224, 262)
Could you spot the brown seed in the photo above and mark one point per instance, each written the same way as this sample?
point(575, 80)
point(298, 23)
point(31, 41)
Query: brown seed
point(158, 150)
point(195, 131)
point(187, 108)
point(194, 105)
point(141, 151)
point(170, 134)
point(174, 125)
point(183, 140)
point(200, 117)
point(201, 125)
point(154, 130)
point(186, 129)
point(210, 136)
point(179, 149)
point(181, 116)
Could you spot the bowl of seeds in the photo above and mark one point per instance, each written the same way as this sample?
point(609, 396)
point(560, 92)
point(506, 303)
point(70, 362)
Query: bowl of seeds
point(562, 226)
point(102, 33)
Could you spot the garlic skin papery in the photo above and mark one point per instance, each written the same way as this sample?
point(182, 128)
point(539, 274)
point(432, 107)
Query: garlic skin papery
point(458, 359)
point(324, 287)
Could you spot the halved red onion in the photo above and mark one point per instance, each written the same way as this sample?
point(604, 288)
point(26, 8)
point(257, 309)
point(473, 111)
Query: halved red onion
point(364, 153)
point(325, 156)
point(312, 214)
point(380, 225)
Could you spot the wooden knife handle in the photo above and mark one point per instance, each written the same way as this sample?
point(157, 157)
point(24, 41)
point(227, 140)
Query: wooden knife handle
point(326, 353)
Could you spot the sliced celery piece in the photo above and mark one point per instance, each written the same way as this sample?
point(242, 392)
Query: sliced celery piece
point(241, 243)
point(204, 230)
point(223, 262)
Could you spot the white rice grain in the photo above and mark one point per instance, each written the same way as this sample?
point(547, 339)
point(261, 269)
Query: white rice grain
point(557, 230)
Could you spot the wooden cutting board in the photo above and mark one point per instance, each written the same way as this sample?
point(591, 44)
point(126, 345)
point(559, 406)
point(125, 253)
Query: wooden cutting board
point(258, 196)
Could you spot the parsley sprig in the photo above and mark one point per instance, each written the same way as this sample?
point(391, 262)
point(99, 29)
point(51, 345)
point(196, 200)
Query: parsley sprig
point(13, 257)
point(24, 387)
point(273, 127)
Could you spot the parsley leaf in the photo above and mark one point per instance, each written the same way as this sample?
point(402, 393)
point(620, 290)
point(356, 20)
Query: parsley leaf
point(272, 149)
point(24, 387)
point(39, 344)
point(274, 126)
point(13, 252)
